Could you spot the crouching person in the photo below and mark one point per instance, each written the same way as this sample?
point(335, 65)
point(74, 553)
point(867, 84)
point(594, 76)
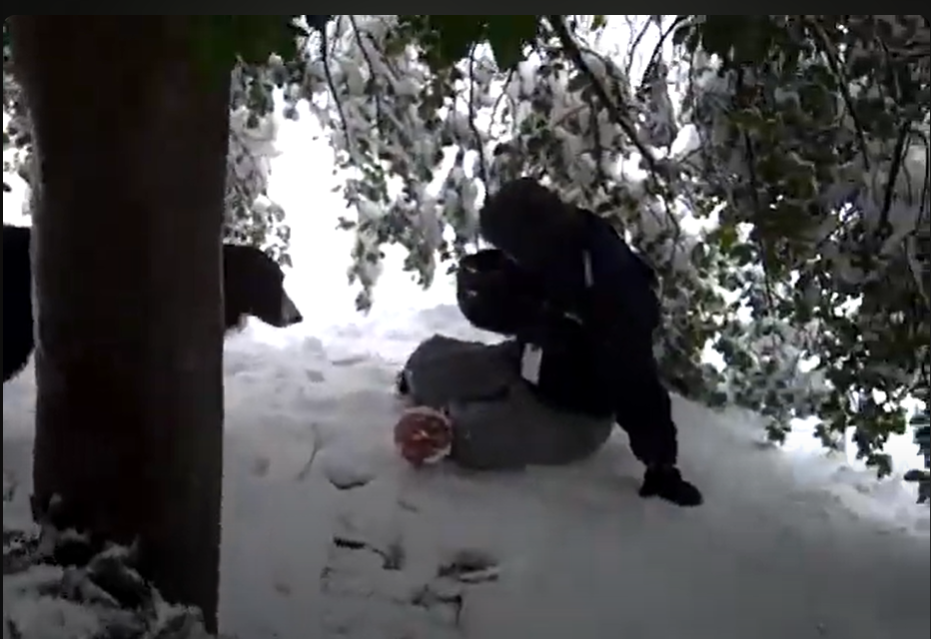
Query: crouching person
point(581, 308)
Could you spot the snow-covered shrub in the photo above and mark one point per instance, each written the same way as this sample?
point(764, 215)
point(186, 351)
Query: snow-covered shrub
point(57, 583)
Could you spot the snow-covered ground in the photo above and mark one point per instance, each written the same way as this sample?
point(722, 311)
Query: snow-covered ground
point(328, 533)
point(780, 549)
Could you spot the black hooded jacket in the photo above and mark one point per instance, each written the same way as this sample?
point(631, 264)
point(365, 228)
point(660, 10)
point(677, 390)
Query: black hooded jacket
point(597, 323)
point(590, 347)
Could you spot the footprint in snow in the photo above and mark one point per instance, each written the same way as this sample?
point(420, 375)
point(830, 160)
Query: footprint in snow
point(393, 556)
point(315, 376)
point(442, 597)
point(344, 474)
point(470, 566)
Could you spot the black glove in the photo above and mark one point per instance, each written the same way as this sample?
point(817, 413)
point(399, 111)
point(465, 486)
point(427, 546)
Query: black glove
point(666, 483)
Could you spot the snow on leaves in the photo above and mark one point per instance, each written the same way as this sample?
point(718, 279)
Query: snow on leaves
point(774, 169)
point(825, 157)
point(251, 217)
point(780, 143)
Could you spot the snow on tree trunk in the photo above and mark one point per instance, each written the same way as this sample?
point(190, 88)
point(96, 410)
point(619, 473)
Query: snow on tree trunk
point(131, 134)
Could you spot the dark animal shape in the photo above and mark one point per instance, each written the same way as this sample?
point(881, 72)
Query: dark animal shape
point(17, 300)
point(253, 284)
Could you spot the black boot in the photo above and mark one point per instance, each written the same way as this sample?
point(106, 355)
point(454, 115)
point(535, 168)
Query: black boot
point(666, 483)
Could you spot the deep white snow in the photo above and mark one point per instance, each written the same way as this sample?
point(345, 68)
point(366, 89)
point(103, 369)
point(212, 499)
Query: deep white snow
point(789, 544)
point(572, 552)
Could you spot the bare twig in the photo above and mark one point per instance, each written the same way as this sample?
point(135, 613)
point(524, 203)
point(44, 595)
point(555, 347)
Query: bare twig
point(324, 54)
point(658, 49)
point(372, 74)
point(897, 153)
point(572, 49)
point(479, 143)
point(843, 85)
point(501, 96)
point(570, 46)
point(636, 43)
point(914, 268)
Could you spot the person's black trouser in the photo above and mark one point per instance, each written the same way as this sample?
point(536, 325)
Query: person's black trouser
point(644, 411)
point(628, 388)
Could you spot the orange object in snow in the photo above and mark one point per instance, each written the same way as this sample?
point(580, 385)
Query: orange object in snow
point(423, 435)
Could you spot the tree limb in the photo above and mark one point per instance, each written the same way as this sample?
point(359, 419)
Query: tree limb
point(372, 74)
point(325, 57)
point(843, 85)
point(572, 49)
point(636, 43)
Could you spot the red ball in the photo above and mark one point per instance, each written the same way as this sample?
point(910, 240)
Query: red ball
point(423, 435)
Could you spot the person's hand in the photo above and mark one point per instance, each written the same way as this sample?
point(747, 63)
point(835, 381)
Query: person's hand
point(666, 483)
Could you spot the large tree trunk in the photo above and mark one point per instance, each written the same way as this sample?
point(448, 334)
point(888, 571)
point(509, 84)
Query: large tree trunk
point(131, 137)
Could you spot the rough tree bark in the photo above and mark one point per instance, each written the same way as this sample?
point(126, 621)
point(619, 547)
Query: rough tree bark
point(131, 140)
